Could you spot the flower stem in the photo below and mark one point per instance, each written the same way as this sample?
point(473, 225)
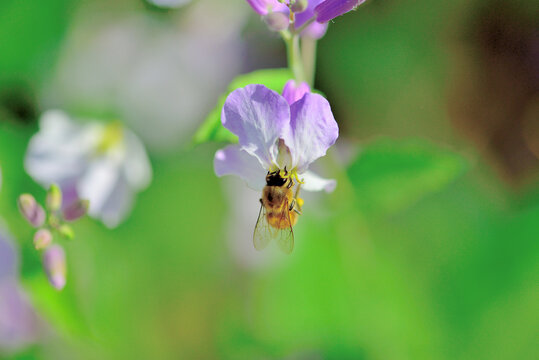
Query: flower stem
point(308, 54)
point(295, 63)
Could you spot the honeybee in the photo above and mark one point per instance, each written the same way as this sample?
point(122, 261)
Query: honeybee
point(279, 211)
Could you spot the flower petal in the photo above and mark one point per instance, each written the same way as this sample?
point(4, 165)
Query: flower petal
point(316, 30)
point(98, 183)
point(312, 130)
point(58, 152)
point(330, 9)
point(257, 115)
point(293, 91)
point(137, 167)
point(234, 161)
point(262, 7)
point(313, 182)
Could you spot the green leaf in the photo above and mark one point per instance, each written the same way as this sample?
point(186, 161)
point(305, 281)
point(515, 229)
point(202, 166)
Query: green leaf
point(211, 129)
point(390, 175)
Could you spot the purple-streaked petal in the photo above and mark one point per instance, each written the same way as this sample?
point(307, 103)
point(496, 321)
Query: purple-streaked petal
point(263, 7)
point(304, 16)
point(312, 130)
point(257, 115)
point(54, 262)
point(293, 91)
point(313, 182)
point(330, 9)
point(234, 161)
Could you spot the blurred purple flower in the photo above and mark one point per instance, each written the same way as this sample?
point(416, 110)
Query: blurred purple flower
point(105, 164)
point(18, 321)
point(54, 262)
point(276, 134)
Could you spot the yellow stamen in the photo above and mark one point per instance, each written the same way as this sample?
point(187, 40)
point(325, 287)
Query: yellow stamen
point(113, 134)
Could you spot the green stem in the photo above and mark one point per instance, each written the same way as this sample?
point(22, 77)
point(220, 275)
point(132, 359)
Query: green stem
point(308, 53)
point(295, 63)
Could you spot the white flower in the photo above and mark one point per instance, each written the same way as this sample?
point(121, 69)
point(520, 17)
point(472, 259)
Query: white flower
point(106, 164)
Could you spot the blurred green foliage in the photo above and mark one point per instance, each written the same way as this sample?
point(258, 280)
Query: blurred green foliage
point(412, 257)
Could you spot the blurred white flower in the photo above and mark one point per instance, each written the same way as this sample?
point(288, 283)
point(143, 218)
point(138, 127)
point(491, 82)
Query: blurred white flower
point(104, 163)
point(160, 75)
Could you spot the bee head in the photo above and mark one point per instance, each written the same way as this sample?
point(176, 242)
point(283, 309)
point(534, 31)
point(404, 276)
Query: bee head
point(275, 179)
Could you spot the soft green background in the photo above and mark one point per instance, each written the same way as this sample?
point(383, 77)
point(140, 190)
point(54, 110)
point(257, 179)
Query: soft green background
point(422, 252)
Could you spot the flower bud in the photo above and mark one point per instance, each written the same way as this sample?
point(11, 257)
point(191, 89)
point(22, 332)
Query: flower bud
point(330, 9)
point(293, 91)
point(277, 21)
point(66, 231)
point(31, 210)
point(54, 198)
point(299, 6)
point(42, 239)
point(54, 262)
point(76, 209)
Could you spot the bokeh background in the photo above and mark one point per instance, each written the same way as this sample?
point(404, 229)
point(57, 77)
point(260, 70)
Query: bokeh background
point(428, 248)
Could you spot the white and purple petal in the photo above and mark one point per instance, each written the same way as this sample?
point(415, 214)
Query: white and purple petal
point(257, 115)
point(232, 160)
point(312, 130)
point(313, 182)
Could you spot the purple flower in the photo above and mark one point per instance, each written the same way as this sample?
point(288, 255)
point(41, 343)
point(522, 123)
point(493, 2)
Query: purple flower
point(274, 134)
point(330, 9)
point(54, 262)
point(319, 12)
point(18, 320)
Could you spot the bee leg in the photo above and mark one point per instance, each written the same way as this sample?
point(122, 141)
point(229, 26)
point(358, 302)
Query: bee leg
point(292, 205)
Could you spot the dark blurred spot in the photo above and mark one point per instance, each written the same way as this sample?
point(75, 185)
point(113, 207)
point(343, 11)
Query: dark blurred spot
point(495, 101)
point(17, 104)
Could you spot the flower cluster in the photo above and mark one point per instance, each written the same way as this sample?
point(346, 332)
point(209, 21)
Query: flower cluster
point(309, 17)
point(105, 164)
point(277, 132)
point(52, 221)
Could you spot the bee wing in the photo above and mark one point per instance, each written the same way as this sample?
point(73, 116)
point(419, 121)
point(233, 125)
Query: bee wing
point(263, 231)
point(285, 236)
